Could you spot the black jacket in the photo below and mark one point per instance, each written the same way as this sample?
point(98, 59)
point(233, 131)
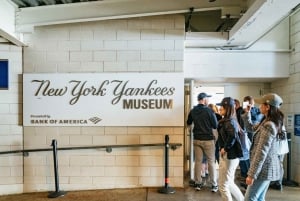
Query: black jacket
point(229, 138)
point(204, 121)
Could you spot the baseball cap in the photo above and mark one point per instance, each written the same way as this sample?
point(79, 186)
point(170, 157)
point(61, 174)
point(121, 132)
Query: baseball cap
point(271, 99)
point(227, 101)
point(203, 95)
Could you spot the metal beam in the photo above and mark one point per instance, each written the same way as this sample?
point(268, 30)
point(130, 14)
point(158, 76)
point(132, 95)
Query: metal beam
point(49, 2)
point(67, 1)
point(260, 18)
point(20, 3)
point(3, 40)
point(33, 2)
point(11, 38)
point(112, 9)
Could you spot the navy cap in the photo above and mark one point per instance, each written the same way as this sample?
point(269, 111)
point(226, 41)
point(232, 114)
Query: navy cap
point(227, 101)
point(203, 95)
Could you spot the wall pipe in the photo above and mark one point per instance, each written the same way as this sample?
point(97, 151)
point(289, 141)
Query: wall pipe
point(191, 164)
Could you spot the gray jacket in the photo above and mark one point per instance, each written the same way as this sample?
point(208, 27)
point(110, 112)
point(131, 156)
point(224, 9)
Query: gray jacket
point(264, 162)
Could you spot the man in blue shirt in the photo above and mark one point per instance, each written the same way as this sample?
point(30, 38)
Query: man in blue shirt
point(256, 116)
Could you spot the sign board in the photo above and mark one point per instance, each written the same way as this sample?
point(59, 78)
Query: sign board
point(103, 99)
point(3, 74)
point(297, 124)
point(290, 122)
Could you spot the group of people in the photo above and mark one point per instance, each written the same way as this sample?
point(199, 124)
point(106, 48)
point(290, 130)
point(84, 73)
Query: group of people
point(238, 136)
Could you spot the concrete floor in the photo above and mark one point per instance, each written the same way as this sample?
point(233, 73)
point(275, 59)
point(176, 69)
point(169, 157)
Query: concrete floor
point(189, 194)
point(149, 194)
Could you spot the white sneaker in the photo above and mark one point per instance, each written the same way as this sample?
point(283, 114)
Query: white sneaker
point(214, 189)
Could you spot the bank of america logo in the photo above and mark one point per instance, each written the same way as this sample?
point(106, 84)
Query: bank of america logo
point(95, 120)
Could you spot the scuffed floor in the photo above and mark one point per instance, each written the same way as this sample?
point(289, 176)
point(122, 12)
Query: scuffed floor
point(147, 194)
point(137, 194)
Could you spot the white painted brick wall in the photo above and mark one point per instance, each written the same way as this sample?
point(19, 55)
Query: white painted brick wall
point(152, 55)
point(115, 45)
point(115, 66)
point(289, 90)
point(11, 166)
point(92, 45)
point(128, 56)
point(105, 55)
point(80, 56)
point(139, 45)
point(129, 34)
point(150, 44)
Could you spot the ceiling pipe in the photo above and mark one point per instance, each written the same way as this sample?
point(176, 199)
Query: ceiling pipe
point(268, 31)
point(188, 22)
point(245, 47)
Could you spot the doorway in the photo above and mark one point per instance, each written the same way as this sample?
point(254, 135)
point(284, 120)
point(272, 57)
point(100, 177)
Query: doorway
point(191, 92)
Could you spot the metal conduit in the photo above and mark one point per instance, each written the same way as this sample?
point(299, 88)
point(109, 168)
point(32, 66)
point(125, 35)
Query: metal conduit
point(191, 164)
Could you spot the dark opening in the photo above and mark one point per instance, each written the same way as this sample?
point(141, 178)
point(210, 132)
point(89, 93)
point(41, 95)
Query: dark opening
point(3, 74)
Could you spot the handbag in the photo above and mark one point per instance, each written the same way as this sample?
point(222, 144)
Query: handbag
point(245, 141)
point(283, 146)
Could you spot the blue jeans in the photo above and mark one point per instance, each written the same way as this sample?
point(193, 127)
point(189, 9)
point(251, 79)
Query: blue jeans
point(257, 191)
point(244, 166)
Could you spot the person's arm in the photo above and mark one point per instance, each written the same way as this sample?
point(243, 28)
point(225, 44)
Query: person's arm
point(265, 137)
point(248, 124)
point(230, 135)
point(189, 119)
point(214, 120)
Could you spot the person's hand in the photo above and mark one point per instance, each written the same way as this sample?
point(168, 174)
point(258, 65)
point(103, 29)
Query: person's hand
point(189, 127)
point(249, 181)
point(222, 152)
point(248, 108)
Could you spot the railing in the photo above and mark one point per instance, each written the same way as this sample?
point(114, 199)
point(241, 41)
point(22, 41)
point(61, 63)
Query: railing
point(166, 189)
point(108, 148)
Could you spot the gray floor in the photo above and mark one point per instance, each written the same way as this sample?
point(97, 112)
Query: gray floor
point(149, 194)
point(189, 194)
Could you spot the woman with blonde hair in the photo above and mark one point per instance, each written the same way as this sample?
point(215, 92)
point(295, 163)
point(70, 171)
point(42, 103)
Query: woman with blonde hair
point(219, 117)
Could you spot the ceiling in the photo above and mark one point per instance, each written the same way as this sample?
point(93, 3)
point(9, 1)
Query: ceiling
point(244, 21)
point(240, 22)
point(200, 15)
point(34, 3)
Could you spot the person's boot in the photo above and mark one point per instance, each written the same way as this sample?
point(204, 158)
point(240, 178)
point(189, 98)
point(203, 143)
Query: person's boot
point(243, 182)
point(276, 185)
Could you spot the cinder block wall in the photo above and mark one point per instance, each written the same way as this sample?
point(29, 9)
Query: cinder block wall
point(289, 89)
point(11, 132)
point(150, 44)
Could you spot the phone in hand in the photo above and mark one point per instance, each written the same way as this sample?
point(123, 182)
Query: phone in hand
point(245, 104)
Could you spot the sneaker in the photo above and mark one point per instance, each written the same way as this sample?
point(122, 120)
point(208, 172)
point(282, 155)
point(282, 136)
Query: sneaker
point(214, 189)
point(244, 185)
point(203, 181)
point(276, 186)
point(192, 183)
point(198, 187)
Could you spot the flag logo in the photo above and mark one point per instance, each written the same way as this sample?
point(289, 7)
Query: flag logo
point(95, 120)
